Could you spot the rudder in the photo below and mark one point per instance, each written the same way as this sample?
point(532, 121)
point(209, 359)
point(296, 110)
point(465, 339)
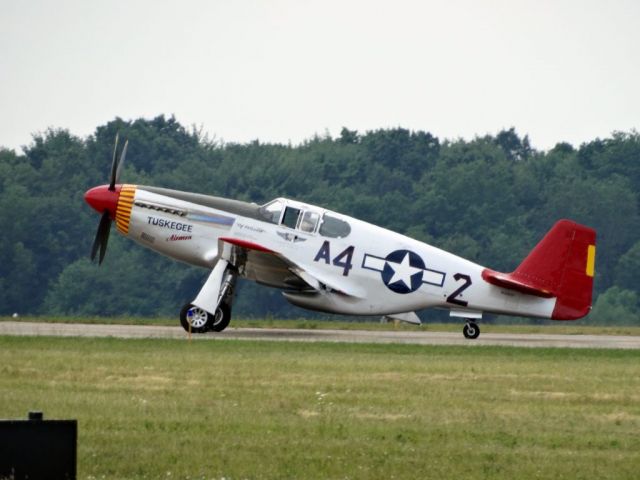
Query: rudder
point(563, 263)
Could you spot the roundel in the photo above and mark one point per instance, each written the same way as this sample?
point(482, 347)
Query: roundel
point(403, 270)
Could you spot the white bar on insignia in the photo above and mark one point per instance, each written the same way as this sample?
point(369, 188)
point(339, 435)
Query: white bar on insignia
point(374, 263)
point(435, 278)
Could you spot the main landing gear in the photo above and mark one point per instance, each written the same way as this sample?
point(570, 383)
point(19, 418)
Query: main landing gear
point(202, 321)
point(471, 330)
point(196, 319)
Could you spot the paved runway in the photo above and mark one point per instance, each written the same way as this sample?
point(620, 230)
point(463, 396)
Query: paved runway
point(346, 336)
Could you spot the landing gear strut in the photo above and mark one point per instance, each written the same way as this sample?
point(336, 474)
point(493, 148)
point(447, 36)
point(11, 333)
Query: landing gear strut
point(471, 330)
point(198, 320)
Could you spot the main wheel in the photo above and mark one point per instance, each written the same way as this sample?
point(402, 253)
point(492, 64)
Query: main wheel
point(222, 318)
point(195, 318)
point(471, 330)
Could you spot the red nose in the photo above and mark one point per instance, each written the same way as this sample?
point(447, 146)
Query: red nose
point(102, 199)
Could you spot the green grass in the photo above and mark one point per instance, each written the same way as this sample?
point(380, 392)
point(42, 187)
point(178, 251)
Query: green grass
point(569, 328)
point(240, 409)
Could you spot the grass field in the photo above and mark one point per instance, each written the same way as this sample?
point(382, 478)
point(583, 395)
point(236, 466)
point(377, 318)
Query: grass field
point(239, 409)
point(550, 326)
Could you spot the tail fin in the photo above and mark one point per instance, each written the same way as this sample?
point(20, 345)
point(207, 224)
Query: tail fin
point(561, 265)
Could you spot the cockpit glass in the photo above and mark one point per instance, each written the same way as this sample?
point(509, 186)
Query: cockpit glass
point(290, 218)
point(334, 227)
point(309, 222)
point(272, 211)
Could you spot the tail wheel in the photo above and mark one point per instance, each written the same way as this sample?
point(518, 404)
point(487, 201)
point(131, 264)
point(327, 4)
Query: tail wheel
point(222, 318)
point(471, 330)
point(195, 319)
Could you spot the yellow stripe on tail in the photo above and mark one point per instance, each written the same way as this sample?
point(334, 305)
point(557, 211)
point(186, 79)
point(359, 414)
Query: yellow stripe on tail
point(591, 260)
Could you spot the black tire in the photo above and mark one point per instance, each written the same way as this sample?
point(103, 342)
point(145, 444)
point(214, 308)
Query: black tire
point(471, 330)
point(199, 319)
point(222, 318)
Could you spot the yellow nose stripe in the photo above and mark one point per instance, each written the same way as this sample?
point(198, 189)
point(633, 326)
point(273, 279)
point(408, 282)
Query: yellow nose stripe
point(125, 204)
point(591, 260)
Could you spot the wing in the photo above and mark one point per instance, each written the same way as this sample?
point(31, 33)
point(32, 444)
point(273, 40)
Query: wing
point(272, 268)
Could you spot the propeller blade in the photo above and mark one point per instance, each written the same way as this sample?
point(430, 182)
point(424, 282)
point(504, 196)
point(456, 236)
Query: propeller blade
point(114, 166)
point(102, 237)
point(105, 240)
point(123, 154)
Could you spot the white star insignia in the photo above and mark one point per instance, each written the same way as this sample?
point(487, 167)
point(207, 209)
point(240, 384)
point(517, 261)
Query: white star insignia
point(403, 271)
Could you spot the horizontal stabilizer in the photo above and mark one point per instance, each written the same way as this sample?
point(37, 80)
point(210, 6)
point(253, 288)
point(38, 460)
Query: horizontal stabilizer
point(506, 280)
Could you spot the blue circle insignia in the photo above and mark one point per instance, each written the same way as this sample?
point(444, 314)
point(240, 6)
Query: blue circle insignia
point(403, 270)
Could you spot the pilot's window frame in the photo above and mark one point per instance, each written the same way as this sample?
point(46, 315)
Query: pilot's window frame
point(269, 213)
point(342, 226)
point(304, 221)
point(287, 215)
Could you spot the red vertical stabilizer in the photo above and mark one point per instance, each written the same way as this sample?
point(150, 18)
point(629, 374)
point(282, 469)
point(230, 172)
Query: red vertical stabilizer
point(561, 265)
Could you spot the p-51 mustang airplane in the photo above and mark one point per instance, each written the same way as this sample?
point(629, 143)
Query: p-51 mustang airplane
point(329, 262)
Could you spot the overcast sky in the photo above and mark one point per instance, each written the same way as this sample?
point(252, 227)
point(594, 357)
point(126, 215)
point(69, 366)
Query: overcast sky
point(283, 70)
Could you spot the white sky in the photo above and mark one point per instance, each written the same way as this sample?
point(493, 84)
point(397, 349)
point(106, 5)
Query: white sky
point(282, 70)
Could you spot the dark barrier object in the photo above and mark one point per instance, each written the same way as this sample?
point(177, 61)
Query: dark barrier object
point(38, 449)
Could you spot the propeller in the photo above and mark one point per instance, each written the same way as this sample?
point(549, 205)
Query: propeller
point(106, 202)
point(102, 237)
point(116, 164)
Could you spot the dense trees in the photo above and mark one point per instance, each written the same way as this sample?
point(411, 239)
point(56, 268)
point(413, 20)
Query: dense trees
point(489, 199)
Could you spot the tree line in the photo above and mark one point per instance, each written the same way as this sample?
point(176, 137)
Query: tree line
point(489, 199)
